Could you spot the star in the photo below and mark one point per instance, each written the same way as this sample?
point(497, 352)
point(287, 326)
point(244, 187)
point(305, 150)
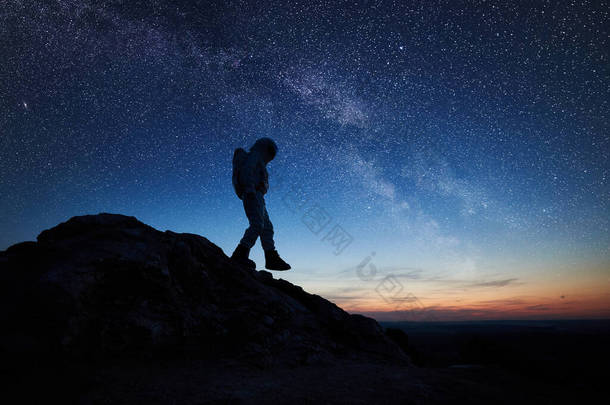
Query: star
point(464, 134)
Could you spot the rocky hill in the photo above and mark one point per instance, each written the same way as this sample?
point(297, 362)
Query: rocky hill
point(109, 284)
point(105, 309)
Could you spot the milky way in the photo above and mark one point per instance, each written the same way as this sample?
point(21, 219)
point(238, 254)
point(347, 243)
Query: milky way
point(464, 143)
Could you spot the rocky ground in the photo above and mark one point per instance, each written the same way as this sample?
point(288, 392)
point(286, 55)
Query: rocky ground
point(105, 309)
point(200, 381)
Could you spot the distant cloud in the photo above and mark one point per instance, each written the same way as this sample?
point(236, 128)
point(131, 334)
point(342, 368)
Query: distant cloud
point(496, 283)
point(409, 273)
point(539, 307)
point(504, 302)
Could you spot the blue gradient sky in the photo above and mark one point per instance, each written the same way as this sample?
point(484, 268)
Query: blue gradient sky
point(464, 143)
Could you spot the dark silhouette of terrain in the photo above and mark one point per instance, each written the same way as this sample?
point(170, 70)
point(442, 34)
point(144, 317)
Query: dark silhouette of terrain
point(105, 309)
point(109, 284)
point(566, 355)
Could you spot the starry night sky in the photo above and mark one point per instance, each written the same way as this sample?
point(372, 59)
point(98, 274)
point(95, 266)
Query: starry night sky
point(444, 158)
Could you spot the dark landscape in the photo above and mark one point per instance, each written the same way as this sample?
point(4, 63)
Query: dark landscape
point(445, 162)
point(105, 309)
point(559, 359)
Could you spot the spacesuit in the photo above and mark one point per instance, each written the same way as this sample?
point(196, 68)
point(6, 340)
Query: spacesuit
point(253, 181)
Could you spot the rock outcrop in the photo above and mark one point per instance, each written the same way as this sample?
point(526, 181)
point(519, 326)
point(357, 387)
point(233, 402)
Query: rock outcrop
point(109, 284)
